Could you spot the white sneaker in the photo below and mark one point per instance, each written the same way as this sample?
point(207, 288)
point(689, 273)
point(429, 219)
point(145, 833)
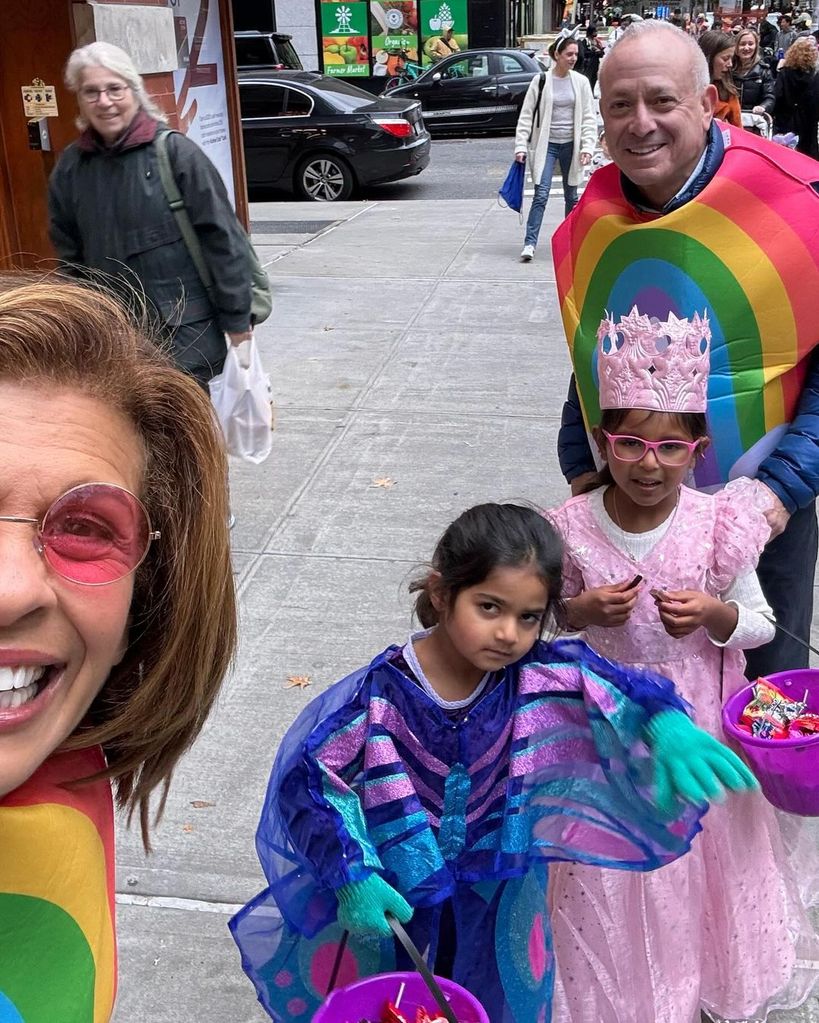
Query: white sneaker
point(528, 254)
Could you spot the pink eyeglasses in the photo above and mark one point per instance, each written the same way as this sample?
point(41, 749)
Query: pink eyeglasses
point(93, 534)
point(672, 453)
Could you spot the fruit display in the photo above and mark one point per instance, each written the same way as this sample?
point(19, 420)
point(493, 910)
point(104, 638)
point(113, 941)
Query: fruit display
point(352, 50)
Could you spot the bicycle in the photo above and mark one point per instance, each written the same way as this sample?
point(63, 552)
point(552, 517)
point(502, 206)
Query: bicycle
point(405, 70)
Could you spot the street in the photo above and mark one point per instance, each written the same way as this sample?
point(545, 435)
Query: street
point(470, 168)
point(418, 368)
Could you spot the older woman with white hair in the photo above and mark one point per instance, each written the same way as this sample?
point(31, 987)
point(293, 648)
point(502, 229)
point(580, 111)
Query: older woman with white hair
point(110, 219)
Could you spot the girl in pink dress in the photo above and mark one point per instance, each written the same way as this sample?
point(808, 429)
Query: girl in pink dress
point(663, 576)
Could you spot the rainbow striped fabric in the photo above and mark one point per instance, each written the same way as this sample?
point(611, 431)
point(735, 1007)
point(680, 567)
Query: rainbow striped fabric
point(58, 958)
point(746, 250)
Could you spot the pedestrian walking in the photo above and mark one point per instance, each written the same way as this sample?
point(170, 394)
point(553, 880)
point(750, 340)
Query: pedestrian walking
point(117, 622)
point(663, 577)
point(590, 52)
point(110, 220)
point(438, 782)
point(752, 77)
point(796, 103)
point(557, 126)
point(767, 33)
point(785, 37)
point(719, 49)
point(616, 29)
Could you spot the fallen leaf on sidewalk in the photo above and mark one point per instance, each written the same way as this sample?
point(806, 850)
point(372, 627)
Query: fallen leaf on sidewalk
point(298, 682)
point(383, 481)
point(187, 828)
point(200, 804)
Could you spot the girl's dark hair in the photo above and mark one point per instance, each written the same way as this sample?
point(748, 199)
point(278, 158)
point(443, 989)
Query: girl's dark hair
point(559, 45)
point(695, 425)
point(484, 538)
point(712, 43)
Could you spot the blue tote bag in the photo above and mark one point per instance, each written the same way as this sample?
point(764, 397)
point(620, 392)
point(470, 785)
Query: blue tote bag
point(511, 191)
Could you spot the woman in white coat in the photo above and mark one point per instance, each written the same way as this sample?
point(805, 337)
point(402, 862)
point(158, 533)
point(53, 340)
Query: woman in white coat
point(557, 125)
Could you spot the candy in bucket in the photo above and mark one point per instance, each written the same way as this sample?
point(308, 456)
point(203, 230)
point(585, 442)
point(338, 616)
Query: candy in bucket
point(392, 1012)
point(406, 997)
point(776, 722)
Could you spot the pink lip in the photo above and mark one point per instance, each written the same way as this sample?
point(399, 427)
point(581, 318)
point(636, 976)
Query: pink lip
point(15, 717)
point(11, 656)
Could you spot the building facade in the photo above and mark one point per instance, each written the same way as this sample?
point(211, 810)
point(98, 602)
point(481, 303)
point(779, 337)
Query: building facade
point(364, 40)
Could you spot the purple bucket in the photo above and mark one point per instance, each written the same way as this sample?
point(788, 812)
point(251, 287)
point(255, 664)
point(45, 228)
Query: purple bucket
point(367, 998)
point(787, 769)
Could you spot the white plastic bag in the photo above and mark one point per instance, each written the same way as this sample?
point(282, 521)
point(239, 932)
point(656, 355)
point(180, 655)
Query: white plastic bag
point(241, 398)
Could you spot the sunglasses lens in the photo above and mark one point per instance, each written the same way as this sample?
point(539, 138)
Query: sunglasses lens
point(95, 534)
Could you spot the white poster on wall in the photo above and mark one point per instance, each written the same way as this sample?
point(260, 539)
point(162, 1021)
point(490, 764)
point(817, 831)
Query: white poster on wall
point(199, 84)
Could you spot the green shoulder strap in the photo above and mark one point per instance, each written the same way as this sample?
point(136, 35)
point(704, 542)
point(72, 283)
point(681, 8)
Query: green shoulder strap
point(177, 205)
point(261, 297)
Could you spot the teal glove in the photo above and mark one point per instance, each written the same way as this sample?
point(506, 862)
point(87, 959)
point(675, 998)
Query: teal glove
point(362, 906)
point(690, 763)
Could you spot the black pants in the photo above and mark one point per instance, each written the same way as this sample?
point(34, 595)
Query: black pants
point(786, 572)
point(447, 942)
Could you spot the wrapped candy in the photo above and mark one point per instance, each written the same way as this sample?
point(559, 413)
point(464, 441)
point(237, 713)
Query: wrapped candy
point(771, 714)
point(392, 1014)
point(805, 724)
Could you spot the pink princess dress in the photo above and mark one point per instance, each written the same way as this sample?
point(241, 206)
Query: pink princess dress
point(724, 929)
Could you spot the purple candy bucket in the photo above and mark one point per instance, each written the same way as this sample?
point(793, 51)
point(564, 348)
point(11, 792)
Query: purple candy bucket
point(367, 998)
point(787, 769)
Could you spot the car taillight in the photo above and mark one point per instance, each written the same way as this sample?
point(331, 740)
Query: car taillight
point(396, 126)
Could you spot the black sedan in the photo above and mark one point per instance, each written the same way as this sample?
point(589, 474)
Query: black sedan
point(321, 137)
point(475, 90)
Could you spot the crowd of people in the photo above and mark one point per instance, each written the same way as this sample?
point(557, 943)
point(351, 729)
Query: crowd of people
point(538, 815)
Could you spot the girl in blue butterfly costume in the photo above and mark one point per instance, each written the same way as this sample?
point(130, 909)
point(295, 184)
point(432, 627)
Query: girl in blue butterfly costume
point(438, 782)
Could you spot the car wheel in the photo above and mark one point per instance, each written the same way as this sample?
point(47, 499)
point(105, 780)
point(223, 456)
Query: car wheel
point(324, 178)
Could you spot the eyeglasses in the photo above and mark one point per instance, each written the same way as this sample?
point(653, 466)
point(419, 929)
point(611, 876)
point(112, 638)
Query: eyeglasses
point(672, 453)
point(93, 534)
point(114, 92)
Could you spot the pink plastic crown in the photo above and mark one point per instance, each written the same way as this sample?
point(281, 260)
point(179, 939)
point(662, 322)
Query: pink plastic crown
point(661, 365)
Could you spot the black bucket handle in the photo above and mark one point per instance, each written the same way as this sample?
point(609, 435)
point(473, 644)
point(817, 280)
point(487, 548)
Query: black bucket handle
point(417, 959)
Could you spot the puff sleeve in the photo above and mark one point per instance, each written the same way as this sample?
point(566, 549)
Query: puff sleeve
point(740, 531)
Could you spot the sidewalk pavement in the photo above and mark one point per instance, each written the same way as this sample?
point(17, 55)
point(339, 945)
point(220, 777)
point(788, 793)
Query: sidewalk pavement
point(417, 368)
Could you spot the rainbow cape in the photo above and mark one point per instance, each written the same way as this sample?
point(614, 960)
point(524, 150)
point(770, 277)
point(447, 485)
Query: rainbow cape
point(746, 250)
point(57, 943)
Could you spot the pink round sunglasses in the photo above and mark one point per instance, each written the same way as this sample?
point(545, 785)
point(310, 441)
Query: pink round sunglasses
point(93, 534)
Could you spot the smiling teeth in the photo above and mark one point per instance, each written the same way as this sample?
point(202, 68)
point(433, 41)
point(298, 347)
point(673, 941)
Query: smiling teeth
point(21, 677)
point(17, 697)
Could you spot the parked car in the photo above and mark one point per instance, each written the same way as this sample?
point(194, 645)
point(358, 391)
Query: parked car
point(475, 90)
point(272, 50)
point(321, 137)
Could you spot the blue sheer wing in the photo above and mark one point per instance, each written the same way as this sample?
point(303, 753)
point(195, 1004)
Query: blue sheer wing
point(311, 837)
point(581, 775)
point(292, 973)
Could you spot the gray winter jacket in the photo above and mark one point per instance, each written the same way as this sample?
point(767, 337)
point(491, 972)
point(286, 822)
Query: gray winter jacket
point(108, 213)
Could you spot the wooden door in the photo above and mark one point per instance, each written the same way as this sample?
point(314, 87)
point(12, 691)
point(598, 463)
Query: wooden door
point(35, 41)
